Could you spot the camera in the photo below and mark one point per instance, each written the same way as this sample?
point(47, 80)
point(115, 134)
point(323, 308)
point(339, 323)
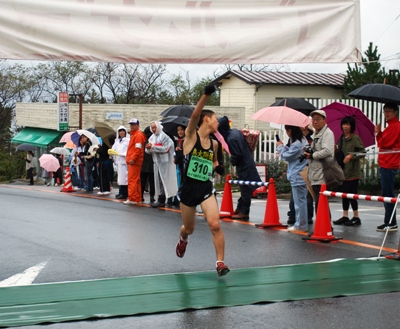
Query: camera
point(307, 149)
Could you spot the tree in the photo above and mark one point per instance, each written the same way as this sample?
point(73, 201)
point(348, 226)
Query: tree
point(198, 90)
point(72, 77)
point(12, 90)
point(129, 83)
point(369, 71)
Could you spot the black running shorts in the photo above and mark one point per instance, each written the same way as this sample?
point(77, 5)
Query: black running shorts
point(192, 195)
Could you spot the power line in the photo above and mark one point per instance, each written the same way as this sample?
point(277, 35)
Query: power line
point(387, 29)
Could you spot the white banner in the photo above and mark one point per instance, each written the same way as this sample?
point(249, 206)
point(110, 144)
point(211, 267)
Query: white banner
point(178, 31)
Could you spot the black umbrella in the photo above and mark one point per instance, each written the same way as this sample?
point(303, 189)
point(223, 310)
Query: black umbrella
point(171, 123)
point(298, 104)
point(377, 92)
point(94, 131)
point(26, 147)
point(178, 110)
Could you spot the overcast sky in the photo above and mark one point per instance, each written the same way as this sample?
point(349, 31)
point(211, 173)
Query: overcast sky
point(380, 24)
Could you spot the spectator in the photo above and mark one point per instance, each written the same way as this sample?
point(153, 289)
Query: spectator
point(147, 171)
point(292, 154)
point(307, 132)
point(80, 150)
point(242, 159)
point(178, 160)
point(389, 163)
point(323, 146)
point(47, 177)
point(74, 168)
point(103, 178)
point(349, 143)
point(58, 175)
point(88, 160)
point(161, 147)
point(121, 147)
point(29, 166)
point(134, 160)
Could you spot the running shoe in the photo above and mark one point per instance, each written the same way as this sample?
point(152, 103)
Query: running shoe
point(181, 248)
point(130, 202)
point(222, 269)
point(341, 221)
point(294, 229)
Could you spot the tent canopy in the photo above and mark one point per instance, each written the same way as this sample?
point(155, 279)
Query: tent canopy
point(38, 137)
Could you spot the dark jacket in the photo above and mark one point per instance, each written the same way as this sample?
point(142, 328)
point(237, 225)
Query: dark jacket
point(241, 156)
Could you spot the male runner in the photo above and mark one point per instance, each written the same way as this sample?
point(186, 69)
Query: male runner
point(197, 188)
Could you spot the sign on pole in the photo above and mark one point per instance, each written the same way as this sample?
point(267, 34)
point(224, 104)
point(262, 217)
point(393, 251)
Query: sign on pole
point(63, 111)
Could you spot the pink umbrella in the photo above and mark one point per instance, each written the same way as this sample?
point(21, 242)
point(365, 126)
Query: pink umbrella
point(336, 111)
point(66, 137)
point(282, 115)
point(49, 162)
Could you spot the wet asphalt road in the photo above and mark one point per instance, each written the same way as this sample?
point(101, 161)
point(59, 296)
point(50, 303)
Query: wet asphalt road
point(84, 237)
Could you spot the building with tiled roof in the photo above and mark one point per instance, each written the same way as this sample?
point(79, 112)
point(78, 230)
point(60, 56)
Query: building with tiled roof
point(256, 90)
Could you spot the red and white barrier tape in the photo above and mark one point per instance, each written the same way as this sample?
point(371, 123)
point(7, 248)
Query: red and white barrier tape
point(360, 197)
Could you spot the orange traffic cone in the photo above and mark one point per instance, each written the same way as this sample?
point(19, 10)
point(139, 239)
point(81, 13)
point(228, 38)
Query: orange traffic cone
point(227, 203)
point(67, 182)
point(322, 228)
point(271, 216)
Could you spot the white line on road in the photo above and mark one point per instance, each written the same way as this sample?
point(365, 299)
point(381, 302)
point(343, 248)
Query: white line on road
point(24, 278)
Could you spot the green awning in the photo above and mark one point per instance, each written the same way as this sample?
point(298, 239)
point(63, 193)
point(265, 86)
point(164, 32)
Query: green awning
point(38, 137)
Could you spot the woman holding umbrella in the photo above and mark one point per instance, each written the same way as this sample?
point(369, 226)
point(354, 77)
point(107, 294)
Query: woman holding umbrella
point(350, 143)
point(29, 166)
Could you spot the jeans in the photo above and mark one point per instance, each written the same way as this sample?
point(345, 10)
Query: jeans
point(310, 206)
point(89, 176)
point(387, 185)
point(300, 205)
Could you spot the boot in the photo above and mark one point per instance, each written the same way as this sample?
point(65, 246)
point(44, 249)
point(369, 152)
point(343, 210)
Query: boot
point(160, 202)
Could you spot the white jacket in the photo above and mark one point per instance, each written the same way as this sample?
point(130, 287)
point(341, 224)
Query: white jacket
point(121, 146)
point(162, 150)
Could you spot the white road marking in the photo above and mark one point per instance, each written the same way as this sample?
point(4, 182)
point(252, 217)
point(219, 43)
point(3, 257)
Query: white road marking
point(24, 278)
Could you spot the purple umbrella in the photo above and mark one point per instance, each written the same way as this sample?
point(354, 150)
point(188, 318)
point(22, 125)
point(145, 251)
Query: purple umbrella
point(336, 111)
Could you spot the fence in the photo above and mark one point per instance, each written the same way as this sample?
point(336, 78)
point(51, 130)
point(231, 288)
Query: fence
point(265, 150)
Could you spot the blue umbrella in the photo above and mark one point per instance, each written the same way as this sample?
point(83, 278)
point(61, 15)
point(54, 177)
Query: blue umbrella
point(26, 147)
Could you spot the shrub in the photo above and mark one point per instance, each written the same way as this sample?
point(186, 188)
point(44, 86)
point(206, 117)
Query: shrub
point(11, 166)
point(277, 169)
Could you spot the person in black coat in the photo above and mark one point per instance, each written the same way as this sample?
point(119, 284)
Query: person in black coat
point(101, 164)
point(242, 159)
point(147, 171)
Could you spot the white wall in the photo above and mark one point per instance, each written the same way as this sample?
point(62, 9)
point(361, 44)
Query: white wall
point(44, 115)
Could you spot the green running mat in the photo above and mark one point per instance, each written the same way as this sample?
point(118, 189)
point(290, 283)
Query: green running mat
point(68, 301)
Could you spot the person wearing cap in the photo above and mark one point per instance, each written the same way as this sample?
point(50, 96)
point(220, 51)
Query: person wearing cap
point(323, 146)
point(134, 160)
point(200, 152)
point(389, 163)
point(121, 146)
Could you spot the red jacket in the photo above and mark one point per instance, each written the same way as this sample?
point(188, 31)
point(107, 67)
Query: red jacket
point(389, 139)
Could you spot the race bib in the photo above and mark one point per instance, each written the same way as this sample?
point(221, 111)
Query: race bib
point(200, 168)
